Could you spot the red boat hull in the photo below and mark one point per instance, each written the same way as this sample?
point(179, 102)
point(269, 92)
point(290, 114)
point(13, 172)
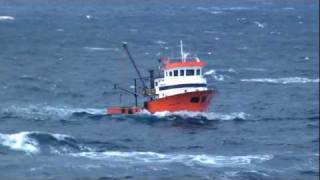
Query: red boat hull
point(192, 101)
point(123, 110)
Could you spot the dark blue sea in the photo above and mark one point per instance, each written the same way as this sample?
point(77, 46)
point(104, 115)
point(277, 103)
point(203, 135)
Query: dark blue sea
point(59, 60)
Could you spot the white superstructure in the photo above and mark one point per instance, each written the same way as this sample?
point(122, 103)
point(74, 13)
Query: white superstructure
point(180, 77)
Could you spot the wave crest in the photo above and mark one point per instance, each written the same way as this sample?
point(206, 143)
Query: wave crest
point(187, 159)
point(33, 142)
point(50, 111)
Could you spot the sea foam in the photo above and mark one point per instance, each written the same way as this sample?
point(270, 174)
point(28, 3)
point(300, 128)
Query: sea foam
point(206, 115)
point(286, 80)
point(186, 159)
point(213, 73)
point(30, 141)
point(3, 18)
point(51, 111)
point(20, 142)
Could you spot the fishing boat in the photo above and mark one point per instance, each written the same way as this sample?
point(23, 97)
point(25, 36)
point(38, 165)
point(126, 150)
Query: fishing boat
point(180, 86)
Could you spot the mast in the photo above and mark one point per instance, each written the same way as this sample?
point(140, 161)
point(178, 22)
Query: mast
point(181, 50)
point(135, 93)
point(134, 64)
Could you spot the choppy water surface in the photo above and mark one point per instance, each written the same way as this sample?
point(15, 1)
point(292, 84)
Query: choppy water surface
point(58, 60)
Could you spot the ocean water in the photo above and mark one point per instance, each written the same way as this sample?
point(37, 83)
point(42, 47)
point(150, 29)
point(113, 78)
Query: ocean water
point(58, 60)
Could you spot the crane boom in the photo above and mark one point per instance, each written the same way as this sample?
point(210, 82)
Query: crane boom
point(125, 47)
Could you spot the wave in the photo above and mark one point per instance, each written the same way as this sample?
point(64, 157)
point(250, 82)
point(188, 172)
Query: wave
point(31, 142)
point(45, 111)
point(3, 18)
point(286, 80)
point(186, 159)
point(20, 142)
point(206, 115)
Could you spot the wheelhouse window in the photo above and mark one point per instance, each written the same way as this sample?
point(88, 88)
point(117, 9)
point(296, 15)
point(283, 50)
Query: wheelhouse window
point(170, 73)
point(181, 72)
point(198, 72)
point(166, 73)
point(175, 72)
point(190, 72)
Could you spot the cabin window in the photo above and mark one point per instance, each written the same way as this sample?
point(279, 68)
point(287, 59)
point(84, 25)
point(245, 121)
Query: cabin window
point(175, 72)
point(194, 99)
point(190, 72)
point(198, 72)
point(166, 73)
point(170, 73)
point(156, 83)
point(182, 72)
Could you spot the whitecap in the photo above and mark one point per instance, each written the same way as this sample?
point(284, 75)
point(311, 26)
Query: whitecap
point(286, 80)
point(4, 18)
point(20, 142)
point(260, 25)
point(160, 42)
point(238, 8)
point(213, 73)
point(100, 49)
point(187, 159)
point(27, 142)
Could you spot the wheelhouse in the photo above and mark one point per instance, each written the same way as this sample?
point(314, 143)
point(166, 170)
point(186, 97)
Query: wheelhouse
point(180, 77)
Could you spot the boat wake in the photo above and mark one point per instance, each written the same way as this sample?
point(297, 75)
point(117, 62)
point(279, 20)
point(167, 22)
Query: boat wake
point(40, 112)
point(286, 80)
point(199, 115)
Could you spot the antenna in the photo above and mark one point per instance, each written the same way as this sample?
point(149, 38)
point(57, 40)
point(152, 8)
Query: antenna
point(181, 49)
